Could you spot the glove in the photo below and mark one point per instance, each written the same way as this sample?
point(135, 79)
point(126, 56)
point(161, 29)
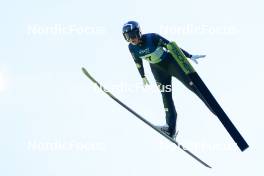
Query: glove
point(145, 81)
point(194, 58)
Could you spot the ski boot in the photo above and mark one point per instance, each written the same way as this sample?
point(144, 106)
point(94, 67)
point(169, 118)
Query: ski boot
point(168, 131)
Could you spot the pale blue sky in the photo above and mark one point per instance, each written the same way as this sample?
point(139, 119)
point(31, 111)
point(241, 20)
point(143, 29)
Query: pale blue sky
point(45, 98)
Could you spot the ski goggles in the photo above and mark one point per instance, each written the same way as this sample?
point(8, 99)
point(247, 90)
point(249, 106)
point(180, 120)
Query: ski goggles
point(131, 34)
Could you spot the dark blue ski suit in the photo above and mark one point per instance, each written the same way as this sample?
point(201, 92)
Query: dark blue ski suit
point(163, 66)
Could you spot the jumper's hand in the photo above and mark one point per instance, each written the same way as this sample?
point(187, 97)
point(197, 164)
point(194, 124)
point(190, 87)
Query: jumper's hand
point(194, 58)
point(145, 81)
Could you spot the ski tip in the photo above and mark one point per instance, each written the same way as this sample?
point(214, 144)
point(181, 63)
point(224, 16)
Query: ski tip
point(83, 69)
